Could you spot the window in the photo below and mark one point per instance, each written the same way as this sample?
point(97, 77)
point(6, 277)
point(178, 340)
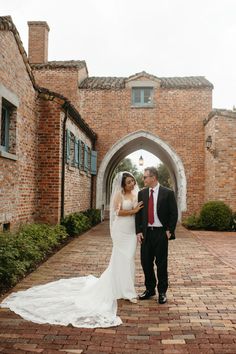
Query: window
point(72, 149)
point(5, 128)
point(8, 115)
point(142, 96)
point(71, 153)
point(8, 127)
point(81, 155)
point(89, 159)
point(76, 152)
point(85, 158)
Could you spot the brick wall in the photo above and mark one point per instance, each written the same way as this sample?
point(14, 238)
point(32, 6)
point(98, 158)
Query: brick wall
point(30, 172)
point(221, 168)
point(77, 182)
point(18, 178)
point(49, 161)
point(60, 80)
point(77, 190)
point(177, 118)
point(30, 177)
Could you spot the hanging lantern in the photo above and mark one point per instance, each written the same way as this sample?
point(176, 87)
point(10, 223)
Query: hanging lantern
point(140, 161)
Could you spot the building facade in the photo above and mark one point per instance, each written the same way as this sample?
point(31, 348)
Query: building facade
point(47, 149)
point(63, 133)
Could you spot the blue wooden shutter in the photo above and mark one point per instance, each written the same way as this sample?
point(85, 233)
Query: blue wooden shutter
point(80, 154)
point(67, 145)
point(85, 157)
point(93, 162)
point(76, 152)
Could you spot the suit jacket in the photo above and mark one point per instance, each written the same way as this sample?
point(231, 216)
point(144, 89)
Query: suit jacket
point(167, 211)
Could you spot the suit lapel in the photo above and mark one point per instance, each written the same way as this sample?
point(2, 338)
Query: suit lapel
point(160, 193)
point(146, 197)
point(145, 201)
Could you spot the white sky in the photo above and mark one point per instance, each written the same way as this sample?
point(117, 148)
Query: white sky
point(148, 159)
point(122, 37)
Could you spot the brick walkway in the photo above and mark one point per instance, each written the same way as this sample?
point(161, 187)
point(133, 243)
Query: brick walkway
point(200, 316)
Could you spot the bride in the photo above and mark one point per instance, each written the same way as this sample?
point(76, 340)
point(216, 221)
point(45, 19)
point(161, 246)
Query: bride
point(91, 302)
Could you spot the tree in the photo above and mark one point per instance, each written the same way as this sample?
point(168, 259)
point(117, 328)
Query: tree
point(127, 165)
point(164, 176)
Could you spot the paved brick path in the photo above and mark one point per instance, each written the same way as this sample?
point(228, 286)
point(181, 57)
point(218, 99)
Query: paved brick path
point(200, 316)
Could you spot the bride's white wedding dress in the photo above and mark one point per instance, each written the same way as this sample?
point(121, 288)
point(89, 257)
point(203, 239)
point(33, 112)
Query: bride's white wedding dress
point(85, 301)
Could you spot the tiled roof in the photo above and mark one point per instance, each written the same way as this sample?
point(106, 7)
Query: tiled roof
point(142, 74)
point(223, 112)
point(6, 24)
point(220, 112)
point(79, 64)
point(185, 82)
point(105, 83)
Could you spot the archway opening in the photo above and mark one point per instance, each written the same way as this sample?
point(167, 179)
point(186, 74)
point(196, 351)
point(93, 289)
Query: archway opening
point(131, 164)
point(130, 144)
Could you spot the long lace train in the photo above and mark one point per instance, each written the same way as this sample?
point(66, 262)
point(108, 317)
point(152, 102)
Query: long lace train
point(81, 302)
point(88, 301)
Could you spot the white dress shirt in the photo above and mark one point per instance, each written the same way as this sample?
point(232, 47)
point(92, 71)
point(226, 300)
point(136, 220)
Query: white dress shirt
point(157, 222)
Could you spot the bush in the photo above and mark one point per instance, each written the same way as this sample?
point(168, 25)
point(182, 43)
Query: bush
point(21, 251)
point(11, 268)
point(94, 216)
point(216, 215)
point(233, 221)
point(192, 222)
point(76, 223)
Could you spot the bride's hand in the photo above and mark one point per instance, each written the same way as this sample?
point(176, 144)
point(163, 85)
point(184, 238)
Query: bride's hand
point(138, 207)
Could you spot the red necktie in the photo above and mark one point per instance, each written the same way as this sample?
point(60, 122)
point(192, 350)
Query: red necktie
point(151, 208)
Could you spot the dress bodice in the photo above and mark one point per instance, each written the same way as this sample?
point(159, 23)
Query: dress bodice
point(127, 204)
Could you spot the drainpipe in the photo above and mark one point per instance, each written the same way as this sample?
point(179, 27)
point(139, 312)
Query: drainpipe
point(92, 181)
point(63, 162)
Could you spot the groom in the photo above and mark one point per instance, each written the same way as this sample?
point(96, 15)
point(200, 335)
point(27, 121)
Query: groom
point(155, 225)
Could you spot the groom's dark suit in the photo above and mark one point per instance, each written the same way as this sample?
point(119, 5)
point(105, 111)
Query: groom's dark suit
point(155, 242)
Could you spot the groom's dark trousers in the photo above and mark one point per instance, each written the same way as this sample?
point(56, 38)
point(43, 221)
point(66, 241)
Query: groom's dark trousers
point(154, 247)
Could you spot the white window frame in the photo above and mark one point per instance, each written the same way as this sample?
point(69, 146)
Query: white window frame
point(141, 91)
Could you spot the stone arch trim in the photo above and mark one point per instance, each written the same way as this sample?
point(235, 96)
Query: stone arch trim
point(152, 143)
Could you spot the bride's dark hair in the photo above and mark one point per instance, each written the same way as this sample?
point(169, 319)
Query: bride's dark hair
point(124, 176)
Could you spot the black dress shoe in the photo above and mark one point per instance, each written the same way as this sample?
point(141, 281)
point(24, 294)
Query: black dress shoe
point(146, 294)
point(162, 298)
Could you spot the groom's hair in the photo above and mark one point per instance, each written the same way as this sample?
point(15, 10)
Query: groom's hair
point(152, 171)
point(124, 176)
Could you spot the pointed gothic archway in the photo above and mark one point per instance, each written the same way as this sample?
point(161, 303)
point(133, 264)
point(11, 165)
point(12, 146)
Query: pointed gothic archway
point(131, 143)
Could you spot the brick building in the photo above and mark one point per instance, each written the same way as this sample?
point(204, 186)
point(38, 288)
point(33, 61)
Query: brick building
point(56, 121)
point(47, 150)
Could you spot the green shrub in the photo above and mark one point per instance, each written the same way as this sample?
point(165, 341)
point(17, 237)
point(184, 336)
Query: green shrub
point(233, 221)
point(35, 241)
point(11, 268)
point(94, 216)
point(76, 223)
point(192, 222)
point(21, 251)
point(216, 215)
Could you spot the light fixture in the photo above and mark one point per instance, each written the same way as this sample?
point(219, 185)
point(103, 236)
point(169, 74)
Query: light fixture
point(209, 146)
point(140, 161)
